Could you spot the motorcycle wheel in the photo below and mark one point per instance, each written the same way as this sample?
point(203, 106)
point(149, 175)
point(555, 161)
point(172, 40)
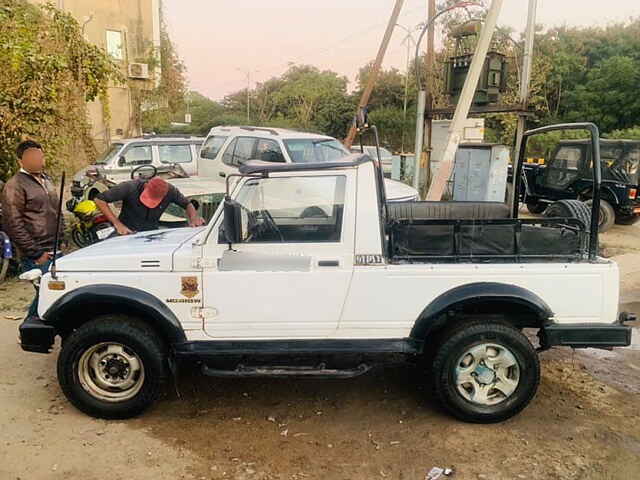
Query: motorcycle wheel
point(4, 267)
point(79, 238)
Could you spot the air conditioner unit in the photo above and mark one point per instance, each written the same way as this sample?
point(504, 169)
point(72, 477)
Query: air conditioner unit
point(139, 70)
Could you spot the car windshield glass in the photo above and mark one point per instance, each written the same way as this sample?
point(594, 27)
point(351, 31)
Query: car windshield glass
point(109, 154)
point(310, 150)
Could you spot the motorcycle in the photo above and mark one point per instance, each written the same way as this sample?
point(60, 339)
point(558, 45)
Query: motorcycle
point(91, 225)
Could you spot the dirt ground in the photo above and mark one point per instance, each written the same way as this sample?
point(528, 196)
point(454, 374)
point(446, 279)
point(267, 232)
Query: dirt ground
point(583, 424)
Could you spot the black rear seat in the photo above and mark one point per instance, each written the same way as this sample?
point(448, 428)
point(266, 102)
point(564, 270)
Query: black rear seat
point(447, 210)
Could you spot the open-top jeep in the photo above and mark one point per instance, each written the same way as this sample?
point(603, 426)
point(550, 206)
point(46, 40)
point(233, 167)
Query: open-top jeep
point(305, 270)
point(567, 174)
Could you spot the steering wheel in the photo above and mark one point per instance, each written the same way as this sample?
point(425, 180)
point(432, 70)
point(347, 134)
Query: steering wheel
point(271, 223)
point(141, 168)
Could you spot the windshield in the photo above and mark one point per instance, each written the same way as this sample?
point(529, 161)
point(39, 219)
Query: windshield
point(309, 150)
point(109, 154)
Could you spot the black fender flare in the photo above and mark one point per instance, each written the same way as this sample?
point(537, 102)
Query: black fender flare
point(63, 314)
point(430, 318)
point(606, 193)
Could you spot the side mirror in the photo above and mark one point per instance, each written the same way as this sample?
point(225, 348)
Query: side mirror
point(122, 161)
point(232, 221)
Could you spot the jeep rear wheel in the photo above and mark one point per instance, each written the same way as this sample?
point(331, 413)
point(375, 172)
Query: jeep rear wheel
point(485, 372)
point(607, 215)
point(112, 367)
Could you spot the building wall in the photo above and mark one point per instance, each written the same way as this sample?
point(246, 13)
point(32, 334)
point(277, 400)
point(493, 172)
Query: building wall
point(137, 24)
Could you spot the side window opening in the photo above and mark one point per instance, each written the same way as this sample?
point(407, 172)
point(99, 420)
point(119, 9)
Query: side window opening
point(138, 155)
point(293, 209)
point(227, 157)
point(212, 146)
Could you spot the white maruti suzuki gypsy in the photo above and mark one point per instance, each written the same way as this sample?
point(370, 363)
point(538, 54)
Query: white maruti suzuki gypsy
point(306, 271)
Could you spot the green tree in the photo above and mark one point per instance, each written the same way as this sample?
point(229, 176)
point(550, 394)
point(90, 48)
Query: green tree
point(47, 73)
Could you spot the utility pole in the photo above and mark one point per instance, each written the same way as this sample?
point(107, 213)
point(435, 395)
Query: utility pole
point(525, 81)
point(439, 183)
point(248, 73)
point(429, 99)
point(408, 40)
point(373, 75)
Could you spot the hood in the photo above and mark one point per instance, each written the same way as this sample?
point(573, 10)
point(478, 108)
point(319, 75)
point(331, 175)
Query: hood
point(399, 192)
point(143, 251)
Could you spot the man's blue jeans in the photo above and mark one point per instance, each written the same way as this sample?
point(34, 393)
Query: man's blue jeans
point(30, 264)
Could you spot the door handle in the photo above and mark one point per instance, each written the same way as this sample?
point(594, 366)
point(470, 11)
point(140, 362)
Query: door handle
point(222, 174)
point(328, 263)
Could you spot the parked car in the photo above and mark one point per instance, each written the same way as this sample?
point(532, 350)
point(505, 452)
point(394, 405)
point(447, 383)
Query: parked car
point(386, 156)
point(303, 272)
point(566, 175)
point(227, 148)
point(115, 165)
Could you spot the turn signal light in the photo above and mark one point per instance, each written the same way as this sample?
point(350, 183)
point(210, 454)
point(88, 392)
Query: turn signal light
point(633, 192)
point(56, 285)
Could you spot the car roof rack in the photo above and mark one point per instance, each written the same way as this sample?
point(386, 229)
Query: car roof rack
point(257, 167)
point(260, 129)
point(166, 135)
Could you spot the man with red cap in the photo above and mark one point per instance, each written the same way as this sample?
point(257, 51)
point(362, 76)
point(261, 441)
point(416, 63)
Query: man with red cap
point(143, 203)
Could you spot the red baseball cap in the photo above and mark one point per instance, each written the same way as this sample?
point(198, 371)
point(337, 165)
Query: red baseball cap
point(154, 192)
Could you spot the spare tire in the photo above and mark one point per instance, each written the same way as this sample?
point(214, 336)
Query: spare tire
point(570, 209)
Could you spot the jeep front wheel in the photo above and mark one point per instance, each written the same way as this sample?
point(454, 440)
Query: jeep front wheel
point(112, 367)
point(485, 372)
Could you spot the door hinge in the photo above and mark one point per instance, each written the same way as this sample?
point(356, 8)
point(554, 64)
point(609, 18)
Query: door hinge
point(201, 262)
point(203, 312)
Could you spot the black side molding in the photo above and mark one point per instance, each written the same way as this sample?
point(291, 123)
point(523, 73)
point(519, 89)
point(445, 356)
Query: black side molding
point(298, 347)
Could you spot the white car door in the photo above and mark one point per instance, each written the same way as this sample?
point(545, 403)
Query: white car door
point(290, 281)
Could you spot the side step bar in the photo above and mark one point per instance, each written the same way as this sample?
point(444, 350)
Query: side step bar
point(286, 371)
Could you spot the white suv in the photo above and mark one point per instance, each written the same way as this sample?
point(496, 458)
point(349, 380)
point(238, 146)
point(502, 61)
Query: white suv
point(226, 148)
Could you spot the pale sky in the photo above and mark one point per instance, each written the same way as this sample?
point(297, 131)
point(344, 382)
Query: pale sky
point(220, 40)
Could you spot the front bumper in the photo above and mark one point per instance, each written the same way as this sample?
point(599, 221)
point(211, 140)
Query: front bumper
point(588, 335)
point(36, 336)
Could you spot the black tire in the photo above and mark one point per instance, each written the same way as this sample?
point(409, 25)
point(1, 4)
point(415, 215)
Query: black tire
point(93, 193)
point(536, 207)
point(627, 219)
point(607, 215)
point(570, 209)
point(137, 339)
point(79, 238)
point(474, 334)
